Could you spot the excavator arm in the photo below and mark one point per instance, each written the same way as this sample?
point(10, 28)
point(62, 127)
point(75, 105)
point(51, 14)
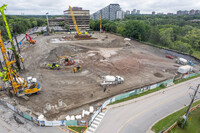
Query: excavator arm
point(27, 36)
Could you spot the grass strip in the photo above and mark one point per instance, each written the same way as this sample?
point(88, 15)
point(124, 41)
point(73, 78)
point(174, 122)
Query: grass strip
point(171, 119)
point(183, 80)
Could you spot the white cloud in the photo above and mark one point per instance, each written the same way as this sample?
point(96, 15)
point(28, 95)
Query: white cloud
point(40, 7)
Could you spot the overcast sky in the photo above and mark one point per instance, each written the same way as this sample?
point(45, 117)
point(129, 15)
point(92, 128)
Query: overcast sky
point(56, 7)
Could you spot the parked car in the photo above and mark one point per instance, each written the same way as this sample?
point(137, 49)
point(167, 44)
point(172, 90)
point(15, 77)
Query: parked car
point(169, 56)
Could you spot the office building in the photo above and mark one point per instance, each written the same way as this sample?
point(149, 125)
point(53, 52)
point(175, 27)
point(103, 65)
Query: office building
point(82, 18)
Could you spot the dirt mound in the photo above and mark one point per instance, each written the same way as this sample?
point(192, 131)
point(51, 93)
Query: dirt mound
point(63, 51)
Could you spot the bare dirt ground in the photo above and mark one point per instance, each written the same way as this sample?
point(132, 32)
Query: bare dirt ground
point(139, 64)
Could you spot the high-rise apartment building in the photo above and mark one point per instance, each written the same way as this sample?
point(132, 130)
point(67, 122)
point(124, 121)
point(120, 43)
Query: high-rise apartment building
point(134, 11)
point(120, 14)
point(128, 12)
point(109, 12)
point(138, 12)
point(191, 12)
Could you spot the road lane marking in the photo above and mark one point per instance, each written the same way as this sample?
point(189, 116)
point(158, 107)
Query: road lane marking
point(132, 118)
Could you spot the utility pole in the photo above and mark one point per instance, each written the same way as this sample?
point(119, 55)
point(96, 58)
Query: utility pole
point(188, 110)
point(101, 23)
point(47, 22)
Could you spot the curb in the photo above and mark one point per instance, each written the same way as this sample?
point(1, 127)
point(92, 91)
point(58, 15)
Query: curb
point(148, 95)
point(150, 131)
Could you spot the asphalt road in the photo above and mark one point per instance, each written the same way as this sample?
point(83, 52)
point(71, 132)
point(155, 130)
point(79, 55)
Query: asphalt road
point(138, 115)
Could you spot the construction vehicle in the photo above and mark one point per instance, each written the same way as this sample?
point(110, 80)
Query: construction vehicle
point(29, 39)
point(80, 35)
point(190, 63)
point(181, 61)
point(20, 87)
point(185, 69)
point(3, 74)
point(2, 8)
point(111, 80)
point(53, 66)
point(77, 68)
point(67, 60)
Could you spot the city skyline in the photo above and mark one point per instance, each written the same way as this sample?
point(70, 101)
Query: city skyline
point(57, 7)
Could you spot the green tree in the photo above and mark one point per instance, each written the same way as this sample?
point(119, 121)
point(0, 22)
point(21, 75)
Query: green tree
point(62, 23)
point(165, 36)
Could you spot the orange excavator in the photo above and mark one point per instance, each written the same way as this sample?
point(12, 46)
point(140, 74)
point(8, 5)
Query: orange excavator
point(29, 39)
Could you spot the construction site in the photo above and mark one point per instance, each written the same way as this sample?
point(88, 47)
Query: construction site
point(70, 68)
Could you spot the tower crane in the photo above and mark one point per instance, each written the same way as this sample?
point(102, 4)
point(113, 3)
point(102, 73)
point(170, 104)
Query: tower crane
point(74, 21)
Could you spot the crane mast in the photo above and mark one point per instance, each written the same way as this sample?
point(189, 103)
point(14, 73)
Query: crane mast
point(8, 66)
point(74, 21)
point(9, 35)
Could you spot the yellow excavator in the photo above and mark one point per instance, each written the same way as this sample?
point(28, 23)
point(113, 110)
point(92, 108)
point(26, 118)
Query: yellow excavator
point(77, 68)
point(20, 87)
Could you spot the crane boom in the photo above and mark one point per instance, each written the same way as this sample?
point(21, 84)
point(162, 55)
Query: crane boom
point(8, 65)
point(9, 35)
point(74, 21)
point(6, 23)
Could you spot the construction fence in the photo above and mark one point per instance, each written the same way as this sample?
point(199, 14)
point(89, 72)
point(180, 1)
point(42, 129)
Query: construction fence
point(36, 121)
point(75, 122)
point(128, 94)
point(134, 92)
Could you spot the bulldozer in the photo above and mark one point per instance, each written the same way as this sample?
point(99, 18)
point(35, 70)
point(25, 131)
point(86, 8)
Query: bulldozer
point(53, 66)
point(77, 68)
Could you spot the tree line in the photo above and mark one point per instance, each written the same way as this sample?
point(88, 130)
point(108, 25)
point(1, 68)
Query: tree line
point(175, 32)
point(20, 24)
